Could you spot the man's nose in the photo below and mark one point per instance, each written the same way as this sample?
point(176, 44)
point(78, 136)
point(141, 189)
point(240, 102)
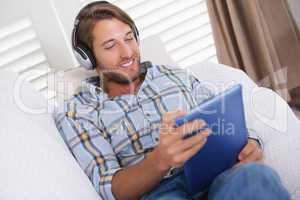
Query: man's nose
point(125, 50)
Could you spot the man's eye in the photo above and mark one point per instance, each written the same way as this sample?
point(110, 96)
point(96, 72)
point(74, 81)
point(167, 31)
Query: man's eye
point(109, 46)
point(129, 38)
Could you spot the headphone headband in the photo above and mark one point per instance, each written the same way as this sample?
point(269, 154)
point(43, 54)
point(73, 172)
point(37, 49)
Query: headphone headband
point(82, 52)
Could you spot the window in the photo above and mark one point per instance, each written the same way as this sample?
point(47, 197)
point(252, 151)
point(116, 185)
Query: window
point(183, 26)
point(21, 50)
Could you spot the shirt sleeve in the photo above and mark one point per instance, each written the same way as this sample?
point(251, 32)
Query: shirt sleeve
point(201, 90)
point(91, 149)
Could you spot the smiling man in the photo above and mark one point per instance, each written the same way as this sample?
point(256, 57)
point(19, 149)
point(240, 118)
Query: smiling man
point(120, 128)
point(116, 53)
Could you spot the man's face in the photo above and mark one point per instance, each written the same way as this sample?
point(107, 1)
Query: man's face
point(116, 51)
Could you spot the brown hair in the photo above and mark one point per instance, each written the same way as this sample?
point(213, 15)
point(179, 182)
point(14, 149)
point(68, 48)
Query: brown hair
point(96, 11)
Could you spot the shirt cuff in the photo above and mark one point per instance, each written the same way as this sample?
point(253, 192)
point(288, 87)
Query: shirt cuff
point(253, 135)
point(105, 184)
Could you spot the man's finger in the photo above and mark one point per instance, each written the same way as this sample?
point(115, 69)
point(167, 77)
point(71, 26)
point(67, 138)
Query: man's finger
point(184, 156)
point(254, 156)
point(190, 127)
point(169, 117)
point(248, 149)
point(188, 143)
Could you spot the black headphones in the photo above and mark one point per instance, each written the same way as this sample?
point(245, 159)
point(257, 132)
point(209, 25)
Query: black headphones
point(82, 52)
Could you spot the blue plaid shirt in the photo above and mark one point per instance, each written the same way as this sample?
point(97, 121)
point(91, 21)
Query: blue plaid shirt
point(106, 134)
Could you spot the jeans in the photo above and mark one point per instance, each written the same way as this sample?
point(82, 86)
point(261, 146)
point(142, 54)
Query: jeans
point(246, 182)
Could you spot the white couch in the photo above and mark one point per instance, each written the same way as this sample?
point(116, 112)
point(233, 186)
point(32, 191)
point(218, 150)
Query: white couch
point(35, 163)
point(268, 115)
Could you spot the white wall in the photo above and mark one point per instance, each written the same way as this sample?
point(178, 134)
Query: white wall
point(45, 16)
point(295, 7)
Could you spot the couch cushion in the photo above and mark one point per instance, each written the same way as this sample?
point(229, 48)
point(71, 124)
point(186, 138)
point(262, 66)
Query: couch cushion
point(35, 163)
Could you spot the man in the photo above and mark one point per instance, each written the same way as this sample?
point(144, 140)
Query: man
point(120, 127)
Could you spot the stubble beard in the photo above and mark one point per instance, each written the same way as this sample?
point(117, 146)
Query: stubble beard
point(110, 75)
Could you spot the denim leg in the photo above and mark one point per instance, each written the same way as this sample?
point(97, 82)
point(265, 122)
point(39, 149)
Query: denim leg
point(248, 182)
point(173, 188)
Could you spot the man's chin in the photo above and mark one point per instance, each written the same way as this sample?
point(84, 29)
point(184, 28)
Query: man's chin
point(122, 75)
point(120, 78)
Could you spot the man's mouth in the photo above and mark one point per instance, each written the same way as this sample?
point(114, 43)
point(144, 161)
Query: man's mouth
point(128, 63)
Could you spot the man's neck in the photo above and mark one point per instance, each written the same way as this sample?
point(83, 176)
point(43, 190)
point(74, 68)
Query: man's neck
point(114, 89)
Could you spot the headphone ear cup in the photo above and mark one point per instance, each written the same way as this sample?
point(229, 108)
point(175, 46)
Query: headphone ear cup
point(85, 56)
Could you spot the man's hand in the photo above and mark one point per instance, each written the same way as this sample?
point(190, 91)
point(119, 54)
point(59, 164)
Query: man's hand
point(172, 150)
point(250, 153)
